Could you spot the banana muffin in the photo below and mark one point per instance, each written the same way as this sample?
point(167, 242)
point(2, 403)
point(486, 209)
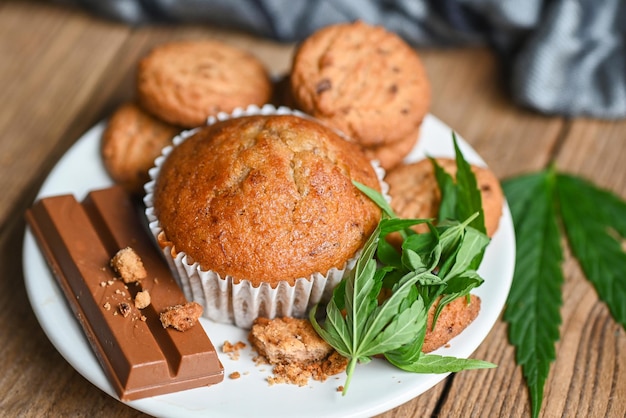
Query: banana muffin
point(263, 201)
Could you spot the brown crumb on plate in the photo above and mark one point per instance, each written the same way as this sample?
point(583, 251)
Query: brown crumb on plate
point(233, 350)
point(295, 350)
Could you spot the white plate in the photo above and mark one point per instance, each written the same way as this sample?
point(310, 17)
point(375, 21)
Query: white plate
point(376, 387)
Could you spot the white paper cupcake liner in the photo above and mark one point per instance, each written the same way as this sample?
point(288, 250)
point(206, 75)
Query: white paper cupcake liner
point(223, 299)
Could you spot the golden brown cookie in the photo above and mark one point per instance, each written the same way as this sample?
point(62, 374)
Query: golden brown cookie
point(452, 320)
point(392, 154)
point(363, 80)
point(415, 193)
point(131, 142)
point(185, 82)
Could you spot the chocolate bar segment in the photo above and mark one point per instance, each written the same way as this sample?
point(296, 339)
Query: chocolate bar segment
point(140, 357)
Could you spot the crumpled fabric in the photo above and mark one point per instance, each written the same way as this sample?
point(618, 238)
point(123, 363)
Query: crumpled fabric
point(562, 57)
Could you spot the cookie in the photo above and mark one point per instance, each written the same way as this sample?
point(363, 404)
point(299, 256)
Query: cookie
point(185, 82)
point(415, 193)
point(454, 318)
point(362, 80)
point(130, 143)
point(390, 155)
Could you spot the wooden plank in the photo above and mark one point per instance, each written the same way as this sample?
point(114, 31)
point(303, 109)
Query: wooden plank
point(469, 95)
point(596, 150)
point(45, 83)
point(48, 71)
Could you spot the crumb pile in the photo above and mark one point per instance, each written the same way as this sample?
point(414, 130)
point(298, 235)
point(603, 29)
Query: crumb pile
point(295, 351)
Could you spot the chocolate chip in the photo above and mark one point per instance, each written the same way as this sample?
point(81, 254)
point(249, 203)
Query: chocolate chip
point(323, 85)
point(124, 309)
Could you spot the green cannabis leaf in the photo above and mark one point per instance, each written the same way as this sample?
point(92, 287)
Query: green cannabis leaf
point(437, 265)
point(470, 199)
point(367, 328)
point(595, 225)
point(534, 300)
point(433, 363)
point(594, 222)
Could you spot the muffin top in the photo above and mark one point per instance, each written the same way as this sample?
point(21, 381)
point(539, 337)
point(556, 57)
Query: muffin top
point(266, 198)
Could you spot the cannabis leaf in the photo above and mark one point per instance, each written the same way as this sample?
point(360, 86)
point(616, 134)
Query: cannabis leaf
point(437, 265)
point(367, 328)
point(594, 222)
point(468, 196)
point(433, 363)
point(595, 225)
point(534, 300)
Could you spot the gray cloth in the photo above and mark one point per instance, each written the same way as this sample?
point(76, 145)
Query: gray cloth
point(564, 57)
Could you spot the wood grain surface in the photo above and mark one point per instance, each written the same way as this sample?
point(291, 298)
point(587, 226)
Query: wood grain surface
point(62, 70)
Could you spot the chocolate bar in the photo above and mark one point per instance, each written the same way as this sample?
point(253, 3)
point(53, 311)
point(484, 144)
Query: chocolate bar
point(139, 356)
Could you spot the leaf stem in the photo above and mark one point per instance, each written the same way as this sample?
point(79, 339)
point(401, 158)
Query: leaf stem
point(349, 373)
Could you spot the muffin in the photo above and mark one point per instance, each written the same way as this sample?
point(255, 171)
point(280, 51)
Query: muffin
point(184, 82)
point(258, 213)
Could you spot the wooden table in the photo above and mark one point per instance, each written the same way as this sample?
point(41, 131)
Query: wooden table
point(61, 71)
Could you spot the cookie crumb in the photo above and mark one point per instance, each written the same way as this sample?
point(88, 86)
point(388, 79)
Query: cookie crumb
point(235, 375)
point(296, 352)
point(181, 317)
point(340, 388)
point(128, 265)
point(142, 299)
point(124, 309)
point(233, 350)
